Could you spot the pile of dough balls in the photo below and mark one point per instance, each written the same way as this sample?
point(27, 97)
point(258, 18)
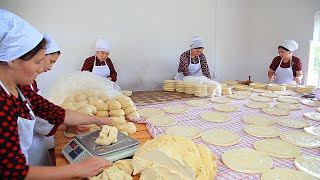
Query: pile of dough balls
point(121, 169)
point(98, 104)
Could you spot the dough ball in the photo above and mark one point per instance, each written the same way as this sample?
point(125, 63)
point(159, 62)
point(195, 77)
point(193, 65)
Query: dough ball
point(84, 101)
point(95, 101)
point(118, 120)
point(94, 109)
point(102, 107)
point(104, 97)
point(85, 110)
point(114, 105)
point(131, 128)
point(116, 113)
point(102, 113)
point(125, 165)
point(124, 101)
point(80, 97)
point(130, 109)
point(134, 114)
point(122, 127)
point(79, 105)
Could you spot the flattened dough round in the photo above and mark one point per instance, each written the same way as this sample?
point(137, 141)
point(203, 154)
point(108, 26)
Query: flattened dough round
point(239, 96)
point(276, 111)
point(309, 164)
point(310, 103)
point(277, 148)
point(293, 122)
point(215, 117)
point(220, 137)
point(285, 173)
point(226, 108)
point(284, 93)
point(243, 92)
point(288, 106)
point(258, 120)
point(162, 120)
point(197, 103)
point(261, 131)
point(149, 112)
point(315, 130)
point(257, 105)
point(269, 94)
point(312, 115)
point(190, 132)
point(176, 109)
point(301, 139)
point(261, 99)
point(291, 100)
point(221, 100)
point(246, 160)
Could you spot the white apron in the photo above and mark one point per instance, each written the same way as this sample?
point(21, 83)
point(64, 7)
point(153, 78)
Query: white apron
point(194, 69)
point(102, 71)
point(284, 75)
point(25, 126)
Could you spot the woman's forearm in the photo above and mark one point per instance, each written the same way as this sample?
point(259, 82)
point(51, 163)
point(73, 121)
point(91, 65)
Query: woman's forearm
point(73, 118)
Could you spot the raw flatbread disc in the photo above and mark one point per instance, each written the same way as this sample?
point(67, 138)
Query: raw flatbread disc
point(261, 131)
point(309, 164)
point(175, 109)
point(215, 117)
point(312, 115)
point(276, 111)
point(260, 90)
point(257, 105)
point(284, 93)
point(162, 120)
point(197, 103)
point(239, 96)
point(190, 132)
point(261, 99)
point(269, 94)
point(285, 173)
point(315, 130)
point(301, 139)
point(310, 103)
point(258, 120)
point(293, 122)
point(246, 160)
point(288, 106)
point(277, 148)
point(220, 137)
point(226, 108)
point(149, 112)
point(292, 100)
point(243, 92)
point(221, 100)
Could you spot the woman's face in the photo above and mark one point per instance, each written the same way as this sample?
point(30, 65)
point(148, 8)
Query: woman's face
point(102, 55)
point(196, 52)
point(26, 71)
point(284, 54)
point(49, 60)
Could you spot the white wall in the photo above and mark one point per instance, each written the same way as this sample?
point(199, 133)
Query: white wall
point(273, 21)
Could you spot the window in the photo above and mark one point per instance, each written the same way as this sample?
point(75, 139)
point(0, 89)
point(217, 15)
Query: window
point(313, 74)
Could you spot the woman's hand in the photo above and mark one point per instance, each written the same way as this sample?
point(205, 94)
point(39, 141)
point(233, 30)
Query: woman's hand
point(297, 80)
point(103, 121)
point(91, 167)
point(273, 77)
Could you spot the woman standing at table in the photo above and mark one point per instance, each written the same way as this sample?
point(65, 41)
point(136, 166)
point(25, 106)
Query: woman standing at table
point(22, 50)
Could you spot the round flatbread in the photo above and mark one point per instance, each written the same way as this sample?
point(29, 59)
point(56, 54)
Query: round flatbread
point(277, 148)
point(149, 112)
point(239, 96)
point(176, 109)
point(221, 100)
point(276, 111)
point(261, 99)
point(291, 100)
point(310, 103)
point(197, 103)
point(285, 173)
point(301, 139)
point(261, 131)
point(190, 132)
point(257, 105)
point(293, 122)
point(246, 160)
point(226, 108)
point(258, 120)
point(312, 115)
point(260, 90)
point(162, 120)
point(269, 94)
point(288, 106)
point(315, 130)
point(309, 164)
point(220, 137)
point(284, 93)
point(243, 92)
point(215, 117)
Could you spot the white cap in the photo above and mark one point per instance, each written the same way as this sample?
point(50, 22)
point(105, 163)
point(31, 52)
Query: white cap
point(291, 45)
point(52, 45)
point(103, 45)
point(197, 42)
point(17, 37)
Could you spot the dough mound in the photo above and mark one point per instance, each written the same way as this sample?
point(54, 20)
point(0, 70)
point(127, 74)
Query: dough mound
point(108, 135)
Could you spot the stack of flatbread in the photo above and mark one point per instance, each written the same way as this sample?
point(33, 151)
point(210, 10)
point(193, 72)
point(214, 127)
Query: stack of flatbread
point(305, 89)
point(200, 90)
point(179, 85)
point(168, 85)
point(226, 90)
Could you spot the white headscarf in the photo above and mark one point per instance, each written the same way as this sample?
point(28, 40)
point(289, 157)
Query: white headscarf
point(291, 45)
point(17, 37)
point(197, 42)
point(52, 45)
point(103, 45)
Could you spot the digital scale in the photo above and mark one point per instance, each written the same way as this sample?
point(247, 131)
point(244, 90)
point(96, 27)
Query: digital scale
point(83, 146)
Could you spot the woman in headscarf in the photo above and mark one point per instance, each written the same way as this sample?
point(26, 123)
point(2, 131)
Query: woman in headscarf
point(286, 68)
point(193, 62)
point(100, 64)
point(22, 50)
